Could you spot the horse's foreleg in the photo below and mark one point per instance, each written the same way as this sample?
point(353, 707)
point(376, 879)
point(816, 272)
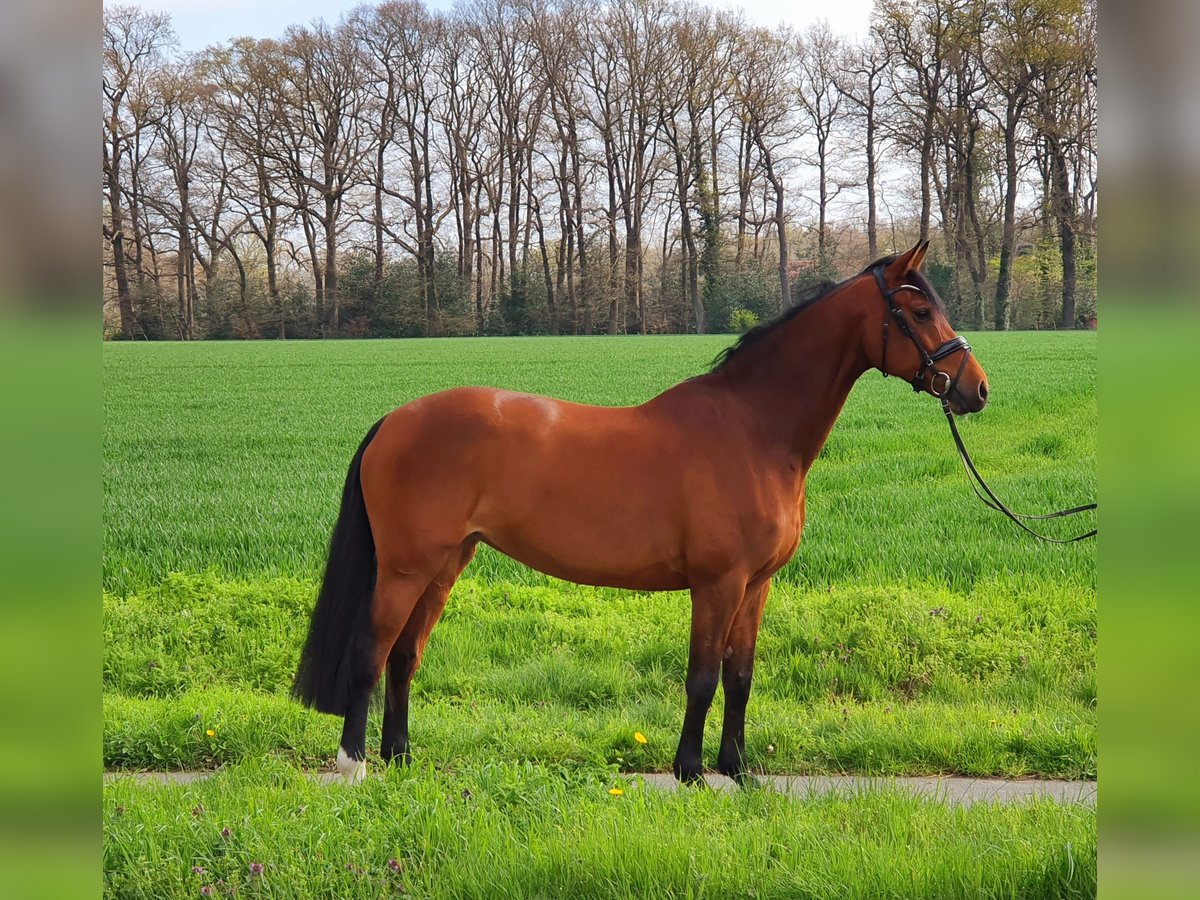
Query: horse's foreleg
point(407, 652)
point(713, 609)
point(395, 596)
point(736, 673)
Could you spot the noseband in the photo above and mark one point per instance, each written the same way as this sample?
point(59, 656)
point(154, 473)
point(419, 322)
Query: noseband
point(955, 344)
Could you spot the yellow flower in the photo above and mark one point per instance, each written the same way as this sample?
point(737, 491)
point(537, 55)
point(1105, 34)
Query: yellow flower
point(211, 733)
point(616, 792)
point(639, 737)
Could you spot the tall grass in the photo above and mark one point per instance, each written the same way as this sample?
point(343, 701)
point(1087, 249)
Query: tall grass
point(229, 457)
point(882, 680)
point(518, 831)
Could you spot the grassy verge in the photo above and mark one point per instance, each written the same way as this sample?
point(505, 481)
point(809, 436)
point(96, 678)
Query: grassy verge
point(900, 680)
point(500, 831)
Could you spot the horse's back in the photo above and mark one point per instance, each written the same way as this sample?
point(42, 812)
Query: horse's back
point(571, 489)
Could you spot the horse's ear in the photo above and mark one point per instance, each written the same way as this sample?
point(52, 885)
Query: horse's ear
point(909, 261)
point(918, 255)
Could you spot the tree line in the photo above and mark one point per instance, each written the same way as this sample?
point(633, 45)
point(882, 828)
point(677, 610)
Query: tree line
point(592, 166)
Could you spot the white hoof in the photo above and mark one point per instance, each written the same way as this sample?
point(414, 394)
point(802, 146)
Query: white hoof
point(353, 770)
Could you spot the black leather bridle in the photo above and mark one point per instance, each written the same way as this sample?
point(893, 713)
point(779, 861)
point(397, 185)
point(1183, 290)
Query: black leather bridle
point(928, 358)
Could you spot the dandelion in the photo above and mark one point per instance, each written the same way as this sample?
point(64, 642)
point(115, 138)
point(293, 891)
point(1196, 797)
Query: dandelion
point(616, 792)
point(770, 748)
point(640, 738)
point(256, 869)
point(211, 733)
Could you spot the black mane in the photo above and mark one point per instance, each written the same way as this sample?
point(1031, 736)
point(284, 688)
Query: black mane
point(810, 296)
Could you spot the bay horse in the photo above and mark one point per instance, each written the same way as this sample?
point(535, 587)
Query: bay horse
point(700, 488)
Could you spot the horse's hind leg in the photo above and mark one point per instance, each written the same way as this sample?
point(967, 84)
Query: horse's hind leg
point(396, 594)
point(736, 674)
point(408, 650)
point(713, 609)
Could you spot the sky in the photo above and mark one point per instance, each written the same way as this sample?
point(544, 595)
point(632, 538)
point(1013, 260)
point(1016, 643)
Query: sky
point(202, 22)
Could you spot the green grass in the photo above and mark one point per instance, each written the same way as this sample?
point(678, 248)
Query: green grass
point(515, 831)
point(915, 632)
point(230, 457)
point(877, 680)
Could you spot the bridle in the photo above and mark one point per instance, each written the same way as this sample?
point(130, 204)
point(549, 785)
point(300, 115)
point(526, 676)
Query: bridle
point(928, 358)
point(954, 345)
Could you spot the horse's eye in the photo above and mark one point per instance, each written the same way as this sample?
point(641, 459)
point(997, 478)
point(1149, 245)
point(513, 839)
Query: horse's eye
point(922, 315)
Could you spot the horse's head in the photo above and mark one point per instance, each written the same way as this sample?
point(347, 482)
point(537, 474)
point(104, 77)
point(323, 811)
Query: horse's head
point(910, 337)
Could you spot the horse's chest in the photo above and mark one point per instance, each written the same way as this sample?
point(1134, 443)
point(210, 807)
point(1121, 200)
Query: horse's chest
point(776, 534)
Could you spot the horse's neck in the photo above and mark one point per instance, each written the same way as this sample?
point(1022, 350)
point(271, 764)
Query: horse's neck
point(797, 380)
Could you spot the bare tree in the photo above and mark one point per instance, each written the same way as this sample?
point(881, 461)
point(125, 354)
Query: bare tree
point(566, 164)
point(917, 32)
point(133, 47)
point(819, 52)
point(247, 115)
point(1064, 76)
point(323, 75)
point(862, 80)
point(765, 93)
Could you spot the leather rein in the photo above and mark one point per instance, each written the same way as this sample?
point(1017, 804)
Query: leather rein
point(956, 344)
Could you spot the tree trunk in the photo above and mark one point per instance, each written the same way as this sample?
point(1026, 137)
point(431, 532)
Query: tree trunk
point(872, 177)
point(129, 324)
point(331, 271)
point(1008, 237)
point(273, 277)
point(1064, 211)
point(551, 310)
point(183, 266)
point(689, 273)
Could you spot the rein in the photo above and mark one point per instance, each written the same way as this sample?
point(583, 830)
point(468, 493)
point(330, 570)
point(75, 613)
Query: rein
point(989, 499)
point(986, 495)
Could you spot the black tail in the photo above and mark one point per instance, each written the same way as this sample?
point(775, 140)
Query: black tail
point(339, 635)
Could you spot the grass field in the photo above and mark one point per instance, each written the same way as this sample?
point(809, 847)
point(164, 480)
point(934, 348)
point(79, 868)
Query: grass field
point(915, 632)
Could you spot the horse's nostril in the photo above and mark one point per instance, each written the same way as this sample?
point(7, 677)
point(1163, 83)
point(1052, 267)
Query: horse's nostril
point(982, 391)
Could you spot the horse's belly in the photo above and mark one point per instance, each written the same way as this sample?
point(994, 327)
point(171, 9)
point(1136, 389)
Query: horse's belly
point(588, 543)
point(582, 567)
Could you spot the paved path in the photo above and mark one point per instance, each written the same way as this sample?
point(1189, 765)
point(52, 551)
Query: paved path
point(950, 789)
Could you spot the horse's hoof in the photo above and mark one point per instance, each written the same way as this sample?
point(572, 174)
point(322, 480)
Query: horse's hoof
point(748, 782)
point(353, 770)
point(694, 777)
point(400, 759)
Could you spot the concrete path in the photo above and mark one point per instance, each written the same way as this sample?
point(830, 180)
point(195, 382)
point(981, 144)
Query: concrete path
point(954, 790)
point(950, 789)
